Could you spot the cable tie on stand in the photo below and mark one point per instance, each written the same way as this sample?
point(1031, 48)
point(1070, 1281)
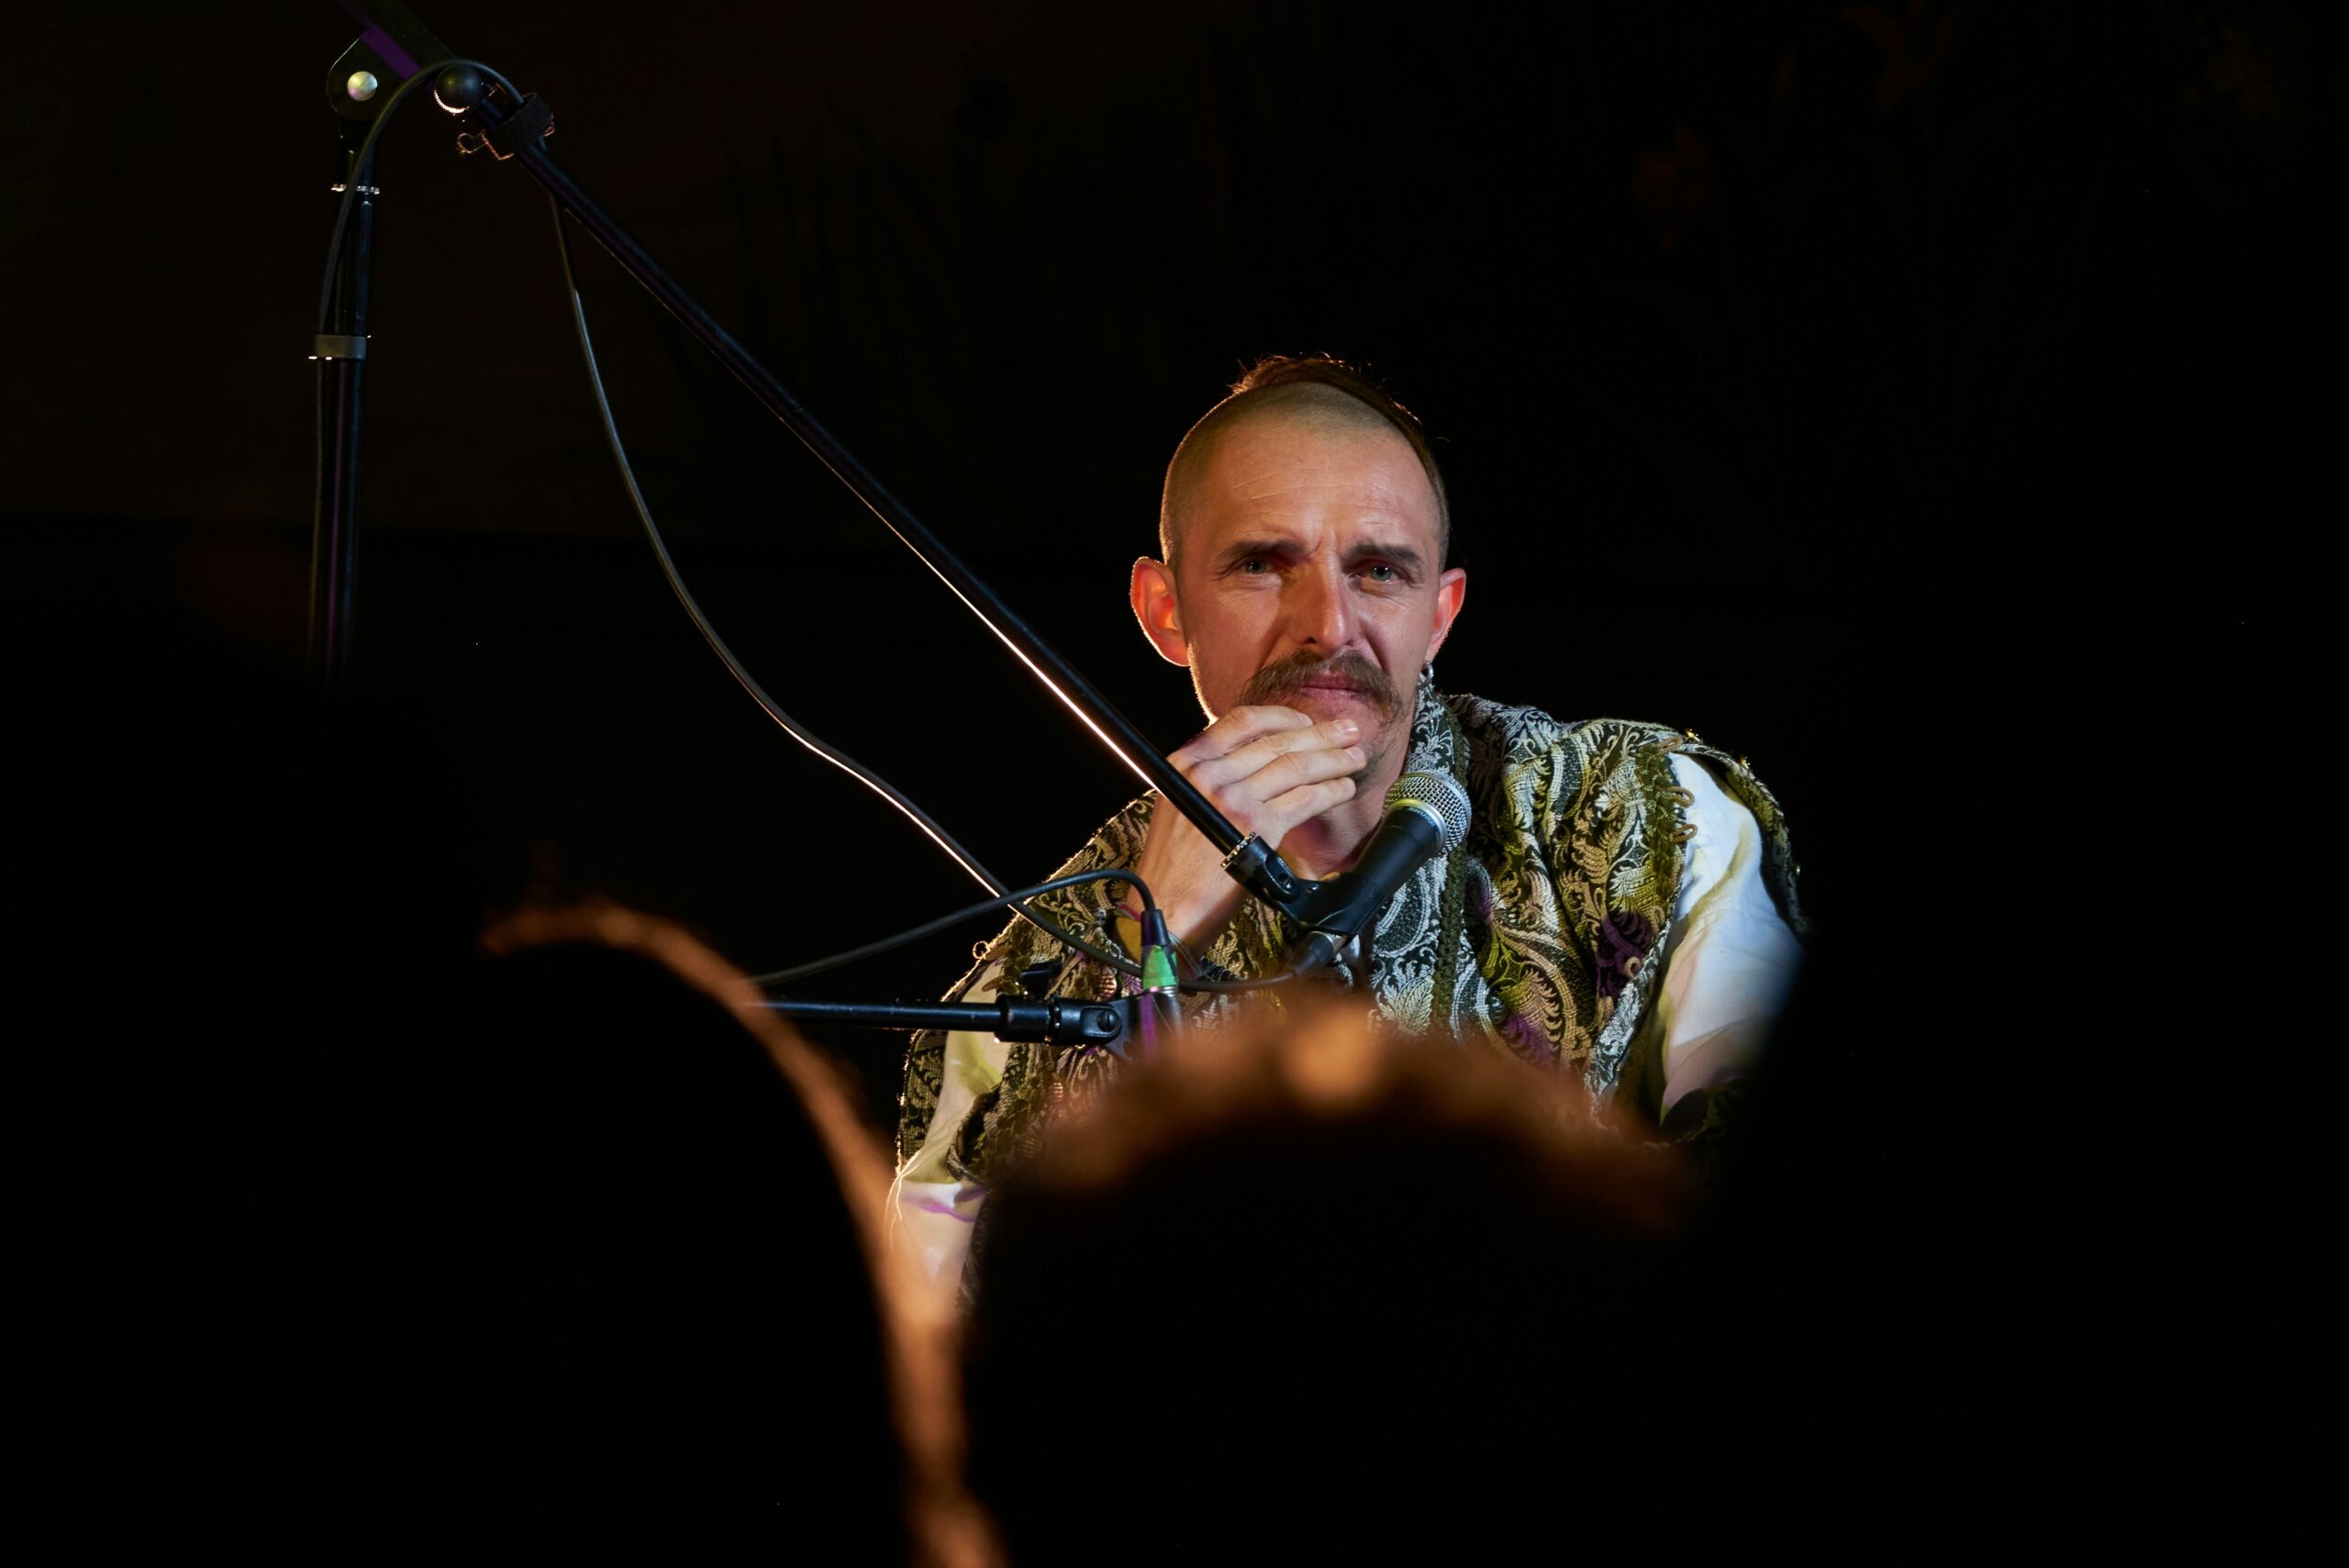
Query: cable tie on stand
point(531, 122)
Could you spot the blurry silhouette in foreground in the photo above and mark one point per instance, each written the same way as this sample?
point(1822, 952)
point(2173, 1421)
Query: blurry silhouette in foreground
point(641, 1261)
point(1324, 1295)
point(389, 1236)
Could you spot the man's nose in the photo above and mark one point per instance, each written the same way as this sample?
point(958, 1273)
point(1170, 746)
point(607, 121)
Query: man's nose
point(1320, 610)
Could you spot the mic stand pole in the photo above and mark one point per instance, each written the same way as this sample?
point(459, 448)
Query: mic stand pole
point(341, 355)
point(515, 132)
point(357, 84)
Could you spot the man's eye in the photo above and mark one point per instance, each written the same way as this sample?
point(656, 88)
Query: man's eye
point(1379, 571)
point(1255, 566)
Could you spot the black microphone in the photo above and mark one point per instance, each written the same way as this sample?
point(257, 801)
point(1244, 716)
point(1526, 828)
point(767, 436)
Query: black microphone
point(1427, 814)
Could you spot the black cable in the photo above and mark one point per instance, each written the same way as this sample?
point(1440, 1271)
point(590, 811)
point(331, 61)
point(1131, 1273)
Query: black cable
point(1076, 879)
point(790, 725)
point(354, 178)
point(1221, 987)
point(367, 150)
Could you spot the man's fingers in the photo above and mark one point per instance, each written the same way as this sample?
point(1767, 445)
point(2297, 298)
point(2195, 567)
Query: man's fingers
point(1276, 778)
point(1268, 751)
point(1252, 756)
point(1264, 717)
point(1236, 730)
point(1302, 803)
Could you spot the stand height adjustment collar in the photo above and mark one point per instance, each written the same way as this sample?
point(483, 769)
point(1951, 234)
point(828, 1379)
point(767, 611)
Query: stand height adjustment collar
point(338, 346)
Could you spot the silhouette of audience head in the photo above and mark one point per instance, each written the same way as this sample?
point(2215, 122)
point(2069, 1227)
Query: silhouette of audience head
point(1319, 1295)
point(640, 1229)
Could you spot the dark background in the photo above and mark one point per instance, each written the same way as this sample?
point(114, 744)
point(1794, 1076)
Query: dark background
point(1896, 394)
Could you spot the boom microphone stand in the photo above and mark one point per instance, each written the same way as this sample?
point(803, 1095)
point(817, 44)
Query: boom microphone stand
point(515, 131)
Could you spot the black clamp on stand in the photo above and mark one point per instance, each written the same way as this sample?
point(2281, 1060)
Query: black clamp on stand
point(461, 90)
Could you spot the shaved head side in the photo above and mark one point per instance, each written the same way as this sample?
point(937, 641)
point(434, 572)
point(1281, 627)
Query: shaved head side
point(1314, 393)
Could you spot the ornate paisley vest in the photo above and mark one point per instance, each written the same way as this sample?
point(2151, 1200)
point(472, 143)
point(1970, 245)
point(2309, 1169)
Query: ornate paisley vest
point(1533, 938)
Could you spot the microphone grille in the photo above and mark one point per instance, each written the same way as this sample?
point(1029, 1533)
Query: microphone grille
point(1441, 797)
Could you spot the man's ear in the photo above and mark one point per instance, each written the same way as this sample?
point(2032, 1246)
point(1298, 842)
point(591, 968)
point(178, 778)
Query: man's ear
point(1152, 597)
point(1451, 592)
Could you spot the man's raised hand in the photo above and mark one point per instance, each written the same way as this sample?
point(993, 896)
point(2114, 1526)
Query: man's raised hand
point(1266, 769)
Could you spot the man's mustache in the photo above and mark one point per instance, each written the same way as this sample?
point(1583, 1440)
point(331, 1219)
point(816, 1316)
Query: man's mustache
point(1290, 677)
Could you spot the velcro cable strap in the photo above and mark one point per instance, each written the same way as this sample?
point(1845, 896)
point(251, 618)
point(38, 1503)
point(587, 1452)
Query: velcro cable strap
point(525, 125)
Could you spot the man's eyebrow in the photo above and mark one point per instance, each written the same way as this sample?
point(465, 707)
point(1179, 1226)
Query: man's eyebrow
point(1231, 555)
point(1396, 555)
